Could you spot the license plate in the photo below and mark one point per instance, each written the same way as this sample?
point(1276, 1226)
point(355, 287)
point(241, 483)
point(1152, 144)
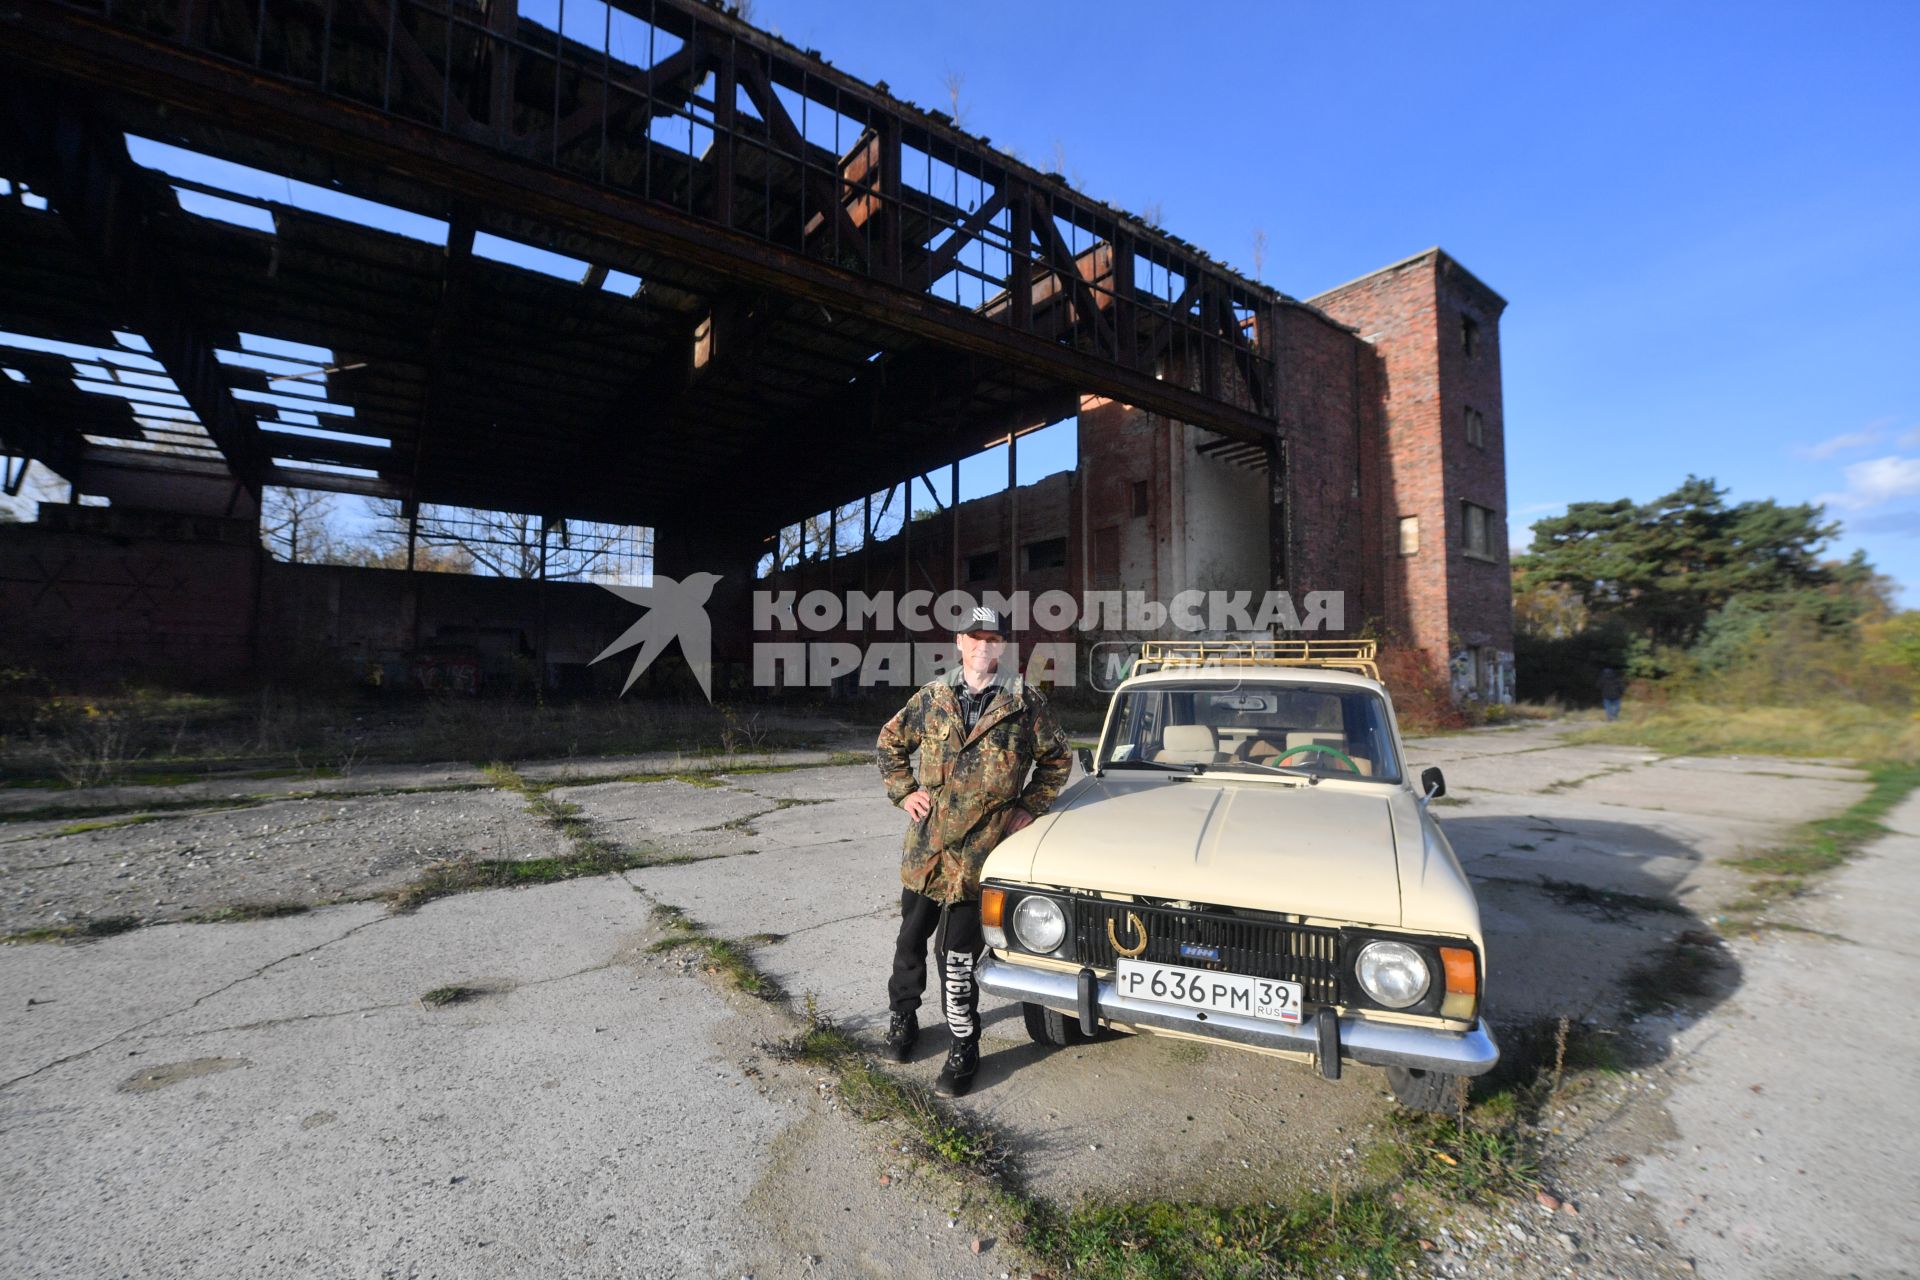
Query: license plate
point(1202, 989)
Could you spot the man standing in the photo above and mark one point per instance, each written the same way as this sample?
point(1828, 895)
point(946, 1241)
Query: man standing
point(978, 732)
point(1612, 688)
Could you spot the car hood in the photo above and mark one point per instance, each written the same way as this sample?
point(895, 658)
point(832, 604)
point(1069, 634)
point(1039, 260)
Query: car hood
point(1324, 851)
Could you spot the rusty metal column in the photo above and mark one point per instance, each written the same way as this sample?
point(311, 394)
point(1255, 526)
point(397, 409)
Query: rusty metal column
point(1013, 512)
point(540, 622)
point(953, 509)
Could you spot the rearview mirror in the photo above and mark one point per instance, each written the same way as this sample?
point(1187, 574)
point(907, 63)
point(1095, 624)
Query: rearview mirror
point(1086, 759)
point(1433, 784)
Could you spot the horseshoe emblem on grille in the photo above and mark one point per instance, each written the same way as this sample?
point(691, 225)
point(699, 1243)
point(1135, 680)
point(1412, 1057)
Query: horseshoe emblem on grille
point(1134, 929)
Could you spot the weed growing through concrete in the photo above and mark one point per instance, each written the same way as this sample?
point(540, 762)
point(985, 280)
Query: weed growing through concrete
point(105, 824)
point(442, 996)
point(1468, 1156)
point(238, 912)
point(1362, 1234)
point(84, 930)
point(1819, 847)
point(723, 956)
point(1568, 784)
point(1357, 1232)
point(588, 856)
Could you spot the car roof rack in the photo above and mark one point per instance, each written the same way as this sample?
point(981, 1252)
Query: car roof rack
point(1340, 655)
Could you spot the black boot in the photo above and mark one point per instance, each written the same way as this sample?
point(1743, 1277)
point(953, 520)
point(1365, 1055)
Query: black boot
point(902, 1030)
point(956, 1077)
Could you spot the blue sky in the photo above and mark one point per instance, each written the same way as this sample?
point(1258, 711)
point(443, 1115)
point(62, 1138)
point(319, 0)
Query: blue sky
point(1706, 219)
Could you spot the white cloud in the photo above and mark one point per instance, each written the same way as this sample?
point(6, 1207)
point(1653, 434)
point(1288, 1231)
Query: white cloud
point(1876, 481)
point(1849, 440)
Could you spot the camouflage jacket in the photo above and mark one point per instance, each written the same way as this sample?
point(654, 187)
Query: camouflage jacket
point(976, 779)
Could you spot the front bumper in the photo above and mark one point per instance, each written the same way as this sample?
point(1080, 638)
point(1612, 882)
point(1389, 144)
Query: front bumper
point(1380, 1044)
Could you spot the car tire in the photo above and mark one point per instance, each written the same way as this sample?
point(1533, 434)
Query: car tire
point(1418, 1090)
point(1050, 1027)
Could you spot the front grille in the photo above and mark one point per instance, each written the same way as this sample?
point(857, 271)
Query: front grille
point(1259, 948)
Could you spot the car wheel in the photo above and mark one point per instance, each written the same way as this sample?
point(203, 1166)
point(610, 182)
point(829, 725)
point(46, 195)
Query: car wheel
point(1047, 1026)
point(1419, 1090)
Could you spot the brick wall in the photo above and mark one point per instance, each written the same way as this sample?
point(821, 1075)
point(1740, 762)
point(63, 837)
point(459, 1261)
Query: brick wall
point(1480, 594)
point(1330, 412)
point(1441, 597)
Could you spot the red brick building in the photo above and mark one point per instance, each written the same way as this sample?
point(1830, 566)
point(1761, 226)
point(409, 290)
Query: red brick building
point(1390, 488)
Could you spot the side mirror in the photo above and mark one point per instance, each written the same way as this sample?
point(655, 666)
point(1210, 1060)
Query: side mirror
point(1086, 759)
point(1433, 784)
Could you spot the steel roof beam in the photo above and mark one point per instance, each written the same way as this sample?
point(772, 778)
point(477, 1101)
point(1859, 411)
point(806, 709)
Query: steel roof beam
point(490, 166)
point(106, 202)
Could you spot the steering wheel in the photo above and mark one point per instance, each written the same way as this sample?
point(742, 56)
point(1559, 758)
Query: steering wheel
point(1317, 748)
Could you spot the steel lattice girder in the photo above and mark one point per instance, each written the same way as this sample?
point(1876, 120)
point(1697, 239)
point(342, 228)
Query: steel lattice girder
point(477, 103)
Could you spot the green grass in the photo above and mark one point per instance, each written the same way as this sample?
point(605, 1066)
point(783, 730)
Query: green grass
point(730, 960)
point(1821, 846)
point(1886, 742)
point(1360, 1233)
point(88, 814)
point(473, 875)
point(78, 931)
point(587, 854)
point(104, 824)
point(439, 997)
point(1834, 729)
point(1479, 1157)
point(162, 808)
point(876, 1094)
point(327, 723)
point(1815, 848)
point(238, 912)
point(316, 773)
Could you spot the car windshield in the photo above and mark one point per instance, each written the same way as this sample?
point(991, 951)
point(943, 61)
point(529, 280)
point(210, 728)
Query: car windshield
point(1316, 729)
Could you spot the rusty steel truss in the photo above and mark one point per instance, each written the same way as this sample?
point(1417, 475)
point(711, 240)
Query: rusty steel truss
point(667, 128)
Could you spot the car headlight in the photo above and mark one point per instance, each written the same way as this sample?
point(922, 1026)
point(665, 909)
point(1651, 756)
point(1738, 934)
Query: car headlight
point(1393, 974)
point(1039, 924)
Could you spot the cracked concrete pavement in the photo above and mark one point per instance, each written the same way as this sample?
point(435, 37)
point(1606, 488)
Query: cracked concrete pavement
point(595, 1110)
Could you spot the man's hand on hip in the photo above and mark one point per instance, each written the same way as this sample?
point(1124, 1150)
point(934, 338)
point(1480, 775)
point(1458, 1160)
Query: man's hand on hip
point(918, 805)
point(1018, 819)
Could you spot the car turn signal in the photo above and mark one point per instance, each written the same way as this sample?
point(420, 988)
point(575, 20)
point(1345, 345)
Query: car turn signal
point(1463, 983)
point(993, 906)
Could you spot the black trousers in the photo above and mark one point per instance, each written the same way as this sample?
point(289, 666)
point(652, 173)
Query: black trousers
point(956, 947)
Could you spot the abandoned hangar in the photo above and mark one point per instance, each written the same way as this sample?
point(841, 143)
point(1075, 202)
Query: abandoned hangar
point(643, 265)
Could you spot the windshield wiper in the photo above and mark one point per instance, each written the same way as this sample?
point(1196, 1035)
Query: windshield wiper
point(1311, 779)
point(1152, 764)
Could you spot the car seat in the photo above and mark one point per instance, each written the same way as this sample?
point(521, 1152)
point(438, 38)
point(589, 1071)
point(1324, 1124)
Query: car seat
point(1188, 744)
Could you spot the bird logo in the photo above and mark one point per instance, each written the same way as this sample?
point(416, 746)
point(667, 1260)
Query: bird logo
point(675, 611)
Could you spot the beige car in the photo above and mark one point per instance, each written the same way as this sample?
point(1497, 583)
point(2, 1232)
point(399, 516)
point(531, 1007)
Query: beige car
point(1248, 862)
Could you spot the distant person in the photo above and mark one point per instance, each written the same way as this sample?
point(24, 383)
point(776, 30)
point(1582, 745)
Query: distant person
point(1611, 689)
point(978, 731)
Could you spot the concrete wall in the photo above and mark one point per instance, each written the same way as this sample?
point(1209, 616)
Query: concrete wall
point(1225, 536)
